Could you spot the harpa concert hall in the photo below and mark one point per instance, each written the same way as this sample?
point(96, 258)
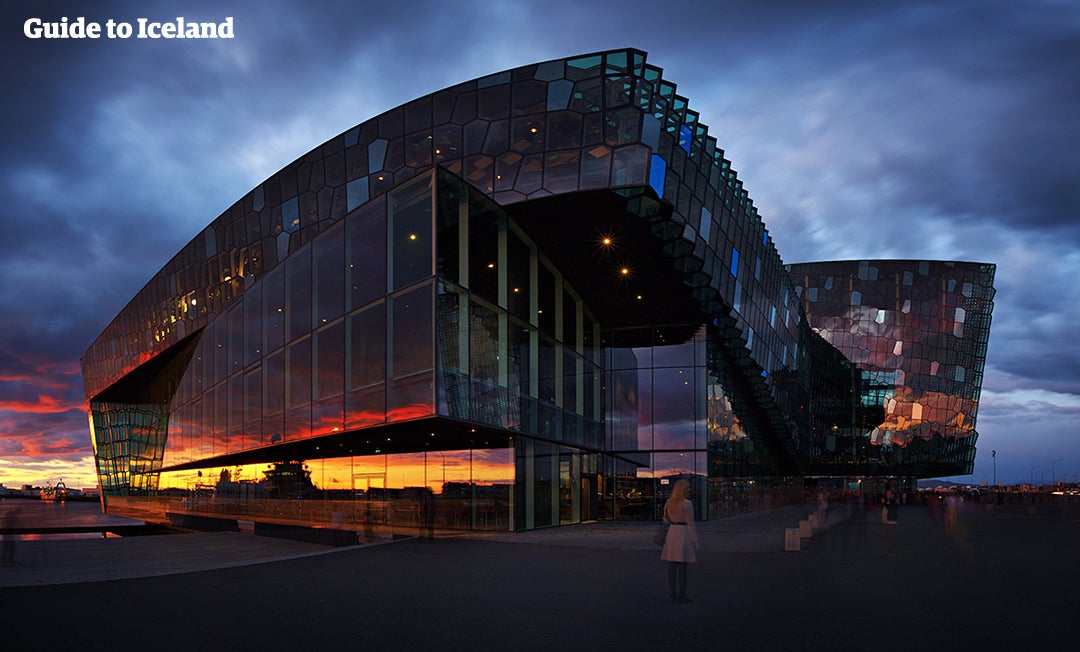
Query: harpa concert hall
point(531, 299)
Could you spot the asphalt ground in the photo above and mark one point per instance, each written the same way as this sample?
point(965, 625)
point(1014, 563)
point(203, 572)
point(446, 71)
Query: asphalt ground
point(1001, 580)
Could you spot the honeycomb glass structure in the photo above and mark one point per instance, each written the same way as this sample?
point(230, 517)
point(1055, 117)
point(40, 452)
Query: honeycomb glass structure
point(918, 332)
point(531, 299)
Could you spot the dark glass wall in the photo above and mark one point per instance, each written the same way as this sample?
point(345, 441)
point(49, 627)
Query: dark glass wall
point(513, 353)
point(339, 337)
point(918, 332)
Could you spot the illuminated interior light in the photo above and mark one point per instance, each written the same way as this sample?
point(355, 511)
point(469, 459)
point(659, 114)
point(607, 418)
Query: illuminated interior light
point(491, 265)
point(606, 242)
point(639, 297)
point(517, 290)
point(534, 130)
point(625, 271)
point(412, 236)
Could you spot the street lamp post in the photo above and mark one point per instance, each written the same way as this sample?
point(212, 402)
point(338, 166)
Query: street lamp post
point(1052, 469)
point(993, 454)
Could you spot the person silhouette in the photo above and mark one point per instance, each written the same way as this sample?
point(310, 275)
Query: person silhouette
point(681, 543)
point(890, 508)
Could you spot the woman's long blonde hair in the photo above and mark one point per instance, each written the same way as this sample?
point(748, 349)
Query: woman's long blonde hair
point(678, 494)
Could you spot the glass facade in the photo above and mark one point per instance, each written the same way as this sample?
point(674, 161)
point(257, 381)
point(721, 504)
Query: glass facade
point(917, 331)
point(531, 299)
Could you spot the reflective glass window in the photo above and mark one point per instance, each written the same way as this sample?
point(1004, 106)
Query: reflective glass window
point(411, 397)
point(571, 381)
point(529, 97)
point(641, 380)
point(453, 337)
point(253, 406)
point(330, 361)
point(412, 332)
point(545, 312)
point(595, 167)
point(673, 408)
point(673, 355)
point(524, 343)
point(234, 394)
point(366, 353)
point(558, 94)
point(518, 276)
point(219, 413)
point(411, 244)
point(497, 139)
point(547, 375)
point(356, 193)
point(657, 174)
point(564, 130)
point(328, 415)
point(571, 311)
point(485, 347)
point(686, 137)
point(451, 198)
point(274, 308)
point(220, 361)
point(376, 155)
point(365, 407)
point(527, 134)
point(253, 327)
point(298, 422)
point(298, 373)
point(561, 171)
point(298, 291)
point(236, 337)
point(483, 251)
point(365, 255)
point(329, 282)
point(290, 215)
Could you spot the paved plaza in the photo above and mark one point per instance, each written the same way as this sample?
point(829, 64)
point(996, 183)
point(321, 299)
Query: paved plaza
point(999, 580)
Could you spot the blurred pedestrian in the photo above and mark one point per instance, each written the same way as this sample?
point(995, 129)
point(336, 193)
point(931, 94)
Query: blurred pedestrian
point(11, 521)
point(890, 509)
point(682, 543)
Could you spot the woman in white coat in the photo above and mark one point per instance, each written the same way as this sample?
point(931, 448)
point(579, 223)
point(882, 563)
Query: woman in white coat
point(681, 542)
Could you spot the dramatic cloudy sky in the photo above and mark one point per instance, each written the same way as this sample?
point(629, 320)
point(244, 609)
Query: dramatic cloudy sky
point(862, 129)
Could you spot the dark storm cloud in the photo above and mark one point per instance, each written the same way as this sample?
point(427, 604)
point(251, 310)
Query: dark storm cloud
point(935, 111)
